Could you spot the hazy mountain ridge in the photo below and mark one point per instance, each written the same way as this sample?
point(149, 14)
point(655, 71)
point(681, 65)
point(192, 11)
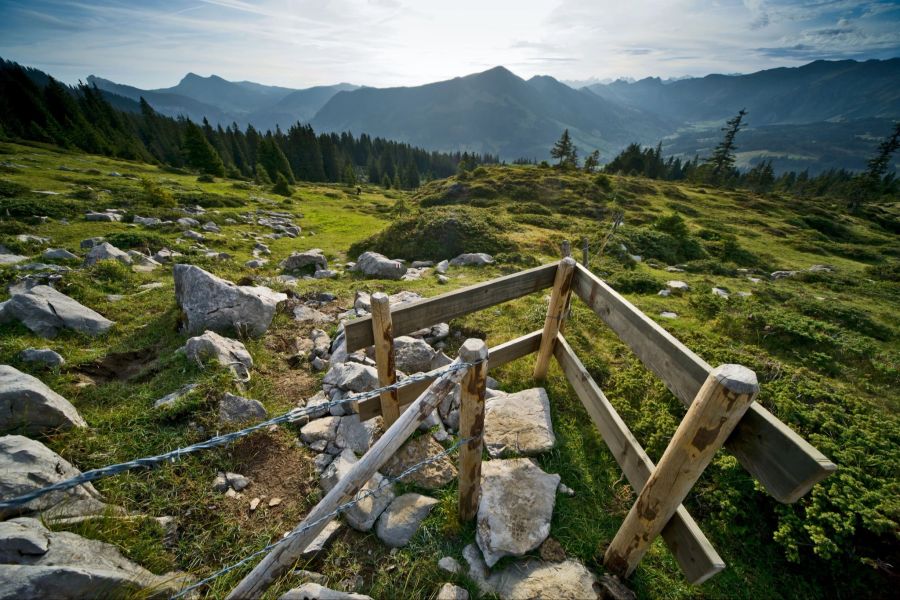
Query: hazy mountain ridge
point(498, 112)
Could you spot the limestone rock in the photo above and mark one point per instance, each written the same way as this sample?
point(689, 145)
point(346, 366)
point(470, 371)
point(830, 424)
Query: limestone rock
point(518, 423)
point(320, 429)
point(314, 591)
point(11, 259)
point(45, 356)
point(401, 520)
point(58, 254)
point(433, 475)
point(210, 302)
point(472, 259)
point(450, 564)
point(237, 409)
point(356, 435)
point(173, 398)
point(783, 274)
point(363, 300)
point(452, 592)
point(372, 264)
point(142, 263)
point(352, 376)
point(325, 536)
point(29, 407)
point(110, 217)
point(27, 465)
point(105, 251)
point(361, 516)
point(46, 311)
point(39, 563)
point(412, 355)
point(165, 255)
point(515, 508)
point(226, 351)
point(677, 286)
point(442, 267)
point(299, 261)
point(720, 292)
point(307, 314)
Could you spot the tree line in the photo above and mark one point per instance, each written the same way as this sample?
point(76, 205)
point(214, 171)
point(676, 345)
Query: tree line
point(34, 106)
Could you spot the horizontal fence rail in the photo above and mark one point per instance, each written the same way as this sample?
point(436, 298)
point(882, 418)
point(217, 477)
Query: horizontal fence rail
point(786, 464)
point(413, 316)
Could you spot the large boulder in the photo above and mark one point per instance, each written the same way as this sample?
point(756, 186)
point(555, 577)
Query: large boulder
point(105, 251)
point(29, 407)
point(412, 355)
point(372, 264)
point(38, 563)
point(299, 262)
point(46, 311)
point(27, 465)
point(210, 302)
point(515, 508)
point(401, 520)
point(360, 516)
point(518, 423)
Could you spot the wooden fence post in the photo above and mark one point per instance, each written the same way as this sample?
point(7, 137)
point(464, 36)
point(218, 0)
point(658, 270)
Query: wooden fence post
point(585, 253)
point(383, 334)
point(566, 248)
point(559, 302)
point(471, 426)
point(721, 402)
point(283, 556)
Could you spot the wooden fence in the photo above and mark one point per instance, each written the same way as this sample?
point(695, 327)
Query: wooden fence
point(720, 402)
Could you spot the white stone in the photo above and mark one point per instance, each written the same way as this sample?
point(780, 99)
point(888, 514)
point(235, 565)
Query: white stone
point(518, 423)
point(401, 520)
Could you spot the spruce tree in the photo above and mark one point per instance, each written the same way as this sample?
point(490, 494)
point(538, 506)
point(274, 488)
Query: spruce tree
point(198, 152)
point(282, 187)
point(564, 151)
point(592, 161)
point(722, 159)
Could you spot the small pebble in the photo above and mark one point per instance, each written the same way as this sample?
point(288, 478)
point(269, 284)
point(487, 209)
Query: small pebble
point(274, 501)
point(254, 503)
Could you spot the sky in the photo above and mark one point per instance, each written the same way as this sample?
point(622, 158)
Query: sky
point(301, 43)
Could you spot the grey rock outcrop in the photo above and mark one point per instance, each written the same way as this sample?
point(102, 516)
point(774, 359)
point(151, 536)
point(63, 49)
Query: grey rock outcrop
point(29, 407)
point(38, 563)
point(412, 355)
point(228, 352)
point(105, 251)
point(372, 264)
point(27, 465)
point(518, 423)
point(46, 311)
point(352, 376)
point(58, 254)
point(44, 356)
point(298, 262)
point(307, 314)
point(213, 303)
point(237, 409)
point(475, 259)
point(110, 217)
point(515, 508)
point(401, 520)
point(361, 516)
point(315, 591)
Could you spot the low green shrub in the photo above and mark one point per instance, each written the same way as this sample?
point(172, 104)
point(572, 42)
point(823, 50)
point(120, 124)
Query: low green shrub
point(146, 241)
point(438, 234)
point(636, 282)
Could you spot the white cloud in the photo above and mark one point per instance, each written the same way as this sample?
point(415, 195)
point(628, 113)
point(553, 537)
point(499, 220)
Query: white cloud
point(393, 42)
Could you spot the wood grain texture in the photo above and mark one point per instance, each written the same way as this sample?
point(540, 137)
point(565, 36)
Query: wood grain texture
point(425, 313)
point(695, 554)
point(471, 426)
point(383, 333)
point(498, 355)
point(556, 313)
point(726, 394)
point(283, 556)
point(786, 464)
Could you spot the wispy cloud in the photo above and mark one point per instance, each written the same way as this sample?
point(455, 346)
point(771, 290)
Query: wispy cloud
point(399, 42)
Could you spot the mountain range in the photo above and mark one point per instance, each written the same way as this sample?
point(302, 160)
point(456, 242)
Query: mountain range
point(826, 114)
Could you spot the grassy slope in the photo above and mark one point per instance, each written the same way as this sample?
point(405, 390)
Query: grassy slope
point(766, 332)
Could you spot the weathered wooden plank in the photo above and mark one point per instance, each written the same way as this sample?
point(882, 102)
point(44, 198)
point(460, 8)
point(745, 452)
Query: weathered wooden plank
point(471, 427)
point(695, 554)
point(424, 313)
point(556, 313)
point(498, 355)
point(772, 452)
point(283, 556)
point(382, 331)
point(721, 402)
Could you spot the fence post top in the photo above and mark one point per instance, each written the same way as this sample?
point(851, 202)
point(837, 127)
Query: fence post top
point(473, 350)
point(379, 297)
point(736, 378)
point(568, 261)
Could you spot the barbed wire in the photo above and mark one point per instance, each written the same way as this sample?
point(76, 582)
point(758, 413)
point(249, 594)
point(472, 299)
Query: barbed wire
point(220, 440)
point(359, 497)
